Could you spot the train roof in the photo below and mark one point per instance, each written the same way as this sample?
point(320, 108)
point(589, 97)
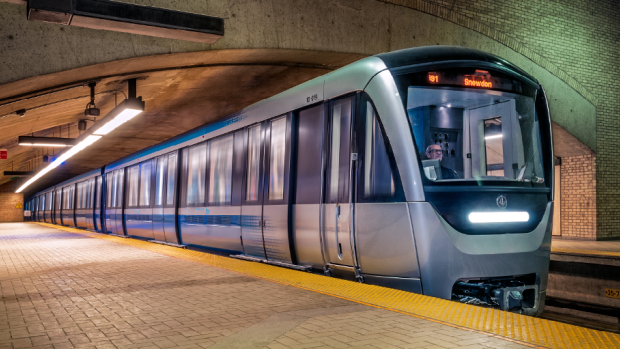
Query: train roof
point(442, 53)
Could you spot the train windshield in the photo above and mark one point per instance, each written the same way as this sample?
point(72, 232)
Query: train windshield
point(475, 125)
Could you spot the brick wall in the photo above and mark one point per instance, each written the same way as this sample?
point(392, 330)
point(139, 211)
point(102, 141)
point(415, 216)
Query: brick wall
point(8, 202)
point(578, 197)
point(581, 37)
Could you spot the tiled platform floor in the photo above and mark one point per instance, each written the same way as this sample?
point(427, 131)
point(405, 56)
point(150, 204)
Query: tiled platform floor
point(63, 290)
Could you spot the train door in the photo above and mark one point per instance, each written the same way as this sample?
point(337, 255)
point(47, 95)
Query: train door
point(265, 205)
point(337, 207)
point(492, 150)
point(170, 199)
point(114, 204)
point(138, 210)
point(158, 209)
point(310, 134)
point(164, 228)
point(108, 211)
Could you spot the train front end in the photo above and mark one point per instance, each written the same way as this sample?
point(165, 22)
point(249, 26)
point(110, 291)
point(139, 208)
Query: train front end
point(483, 141)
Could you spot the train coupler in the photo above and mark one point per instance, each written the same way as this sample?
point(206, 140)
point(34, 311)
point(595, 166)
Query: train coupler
point(505, 294)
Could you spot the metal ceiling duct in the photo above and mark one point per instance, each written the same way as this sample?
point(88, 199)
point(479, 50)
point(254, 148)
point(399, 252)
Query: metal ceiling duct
point(128, 18)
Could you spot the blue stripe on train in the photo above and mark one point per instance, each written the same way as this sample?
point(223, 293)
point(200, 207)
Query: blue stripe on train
point(221, 220)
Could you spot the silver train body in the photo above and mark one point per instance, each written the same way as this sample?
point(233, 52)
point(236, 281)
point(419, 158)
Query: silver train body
point(332, 176)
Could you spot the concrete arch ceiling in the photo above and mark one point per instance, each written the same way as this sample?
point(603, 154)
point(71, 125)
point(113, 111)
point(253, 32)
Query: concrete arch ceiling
point(269, 46)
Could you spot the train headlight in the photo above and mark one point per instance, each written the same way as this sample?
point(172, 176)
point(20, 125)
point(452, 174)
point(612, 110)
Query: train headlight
point(498, 217)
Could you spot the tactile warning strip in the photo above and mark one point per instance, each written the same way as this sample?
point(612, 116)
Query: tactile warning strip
point(586, 252)
point(525, 329)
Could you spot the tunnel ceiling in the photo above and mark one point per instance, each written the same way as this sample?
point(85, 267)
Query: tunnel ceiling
point(181, 92)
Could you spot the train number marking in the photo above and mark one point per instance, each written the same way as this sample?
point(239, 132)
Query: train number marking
point(312, 98)
point(611, 293)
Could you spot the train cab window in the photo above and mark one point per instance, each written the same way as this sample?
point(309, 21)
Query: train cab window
point(474, 125)
point(253, 163)
point(379, 180)
point(133, 185)
point(145, 184)
point(276, 158)
point(196, 174)
point(171, 179)
point(220, 170)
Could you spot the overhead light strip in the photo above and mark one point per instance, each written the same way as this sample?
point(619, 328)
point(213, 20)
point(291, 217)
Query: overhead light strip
point(62, 158)
point(122, 113)
point(45, 145)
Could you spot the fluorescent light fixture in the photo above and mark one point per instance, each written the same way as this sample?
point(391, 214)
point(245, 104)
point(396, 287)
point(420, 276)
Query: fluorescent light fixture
point(62, 158)
point(44, 145)
point(122, 113)
point(498, 217)
point(494, 136)
point(124, 116)
point(30, 141)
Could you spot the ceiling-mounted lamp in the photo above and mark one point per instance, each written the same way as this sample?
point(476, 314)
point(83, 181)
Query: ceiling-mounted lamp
point(122, 113)
point(46, 141)
point(91, 109)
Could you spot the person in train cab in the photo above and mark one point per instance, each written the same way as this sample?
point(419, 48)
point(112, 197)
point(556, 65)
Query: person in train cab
point(434, 151)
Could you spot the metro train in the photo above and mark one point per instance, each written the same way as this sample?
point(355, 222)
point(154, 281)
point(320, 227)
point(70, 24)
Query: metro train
point(427, 169)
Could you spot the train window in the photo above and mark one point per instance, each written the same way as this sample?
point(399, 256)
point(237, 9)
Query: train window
point(78, 198)
point(133, 185)
point(145, 184)
point(474, 125)
point(276, 159)
point(196, 175)
point(310, 125)
point(99, 187)
point(159, 181)
point(340, 138)
point(59, 199)
point(378, 176)
point(92, 192)
point(114, 189)
point(172, 173)
point(220, 170)
point(83, 195)
point(253, 163)
point(119, 187)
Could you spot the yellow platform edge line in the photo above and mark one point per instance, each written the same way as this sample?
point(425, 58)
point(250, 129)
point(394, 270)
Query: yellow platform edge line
point(521, 329)
point(586, 252)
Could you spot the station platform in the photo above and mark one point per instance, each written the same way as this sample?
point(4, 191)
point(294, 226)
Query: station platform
point(70, 288)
